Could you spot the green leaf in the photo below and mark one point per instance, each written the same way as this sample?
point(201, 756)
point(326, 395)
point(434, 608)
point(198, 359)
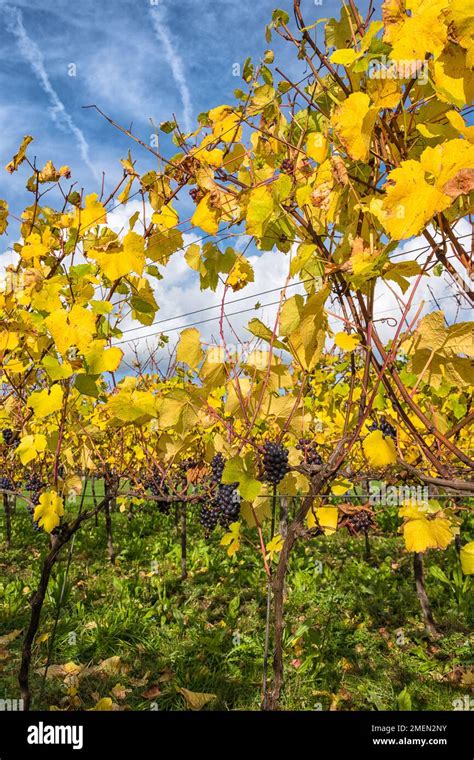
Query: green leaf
point(257, 328)
point(86, 385)
point(240, 470)
point(280, 17)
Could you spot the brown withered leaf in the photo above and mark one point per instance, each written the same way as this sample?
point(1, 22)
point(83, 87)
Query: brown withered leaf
point(152, 692)
point(461, 184)
point(8, 637)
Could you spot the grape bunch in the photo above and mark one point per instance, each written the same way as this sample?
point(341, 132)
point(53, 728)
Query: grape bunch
point(217, 467)
point(274, 462)
point(6, 484)
point(309, 451)
point(228, 503)
point(388, 431)
point(209, 517)
point(158, 487)
point(287, 165)
point(359, 522)
point(34, 484)
point(9, 436)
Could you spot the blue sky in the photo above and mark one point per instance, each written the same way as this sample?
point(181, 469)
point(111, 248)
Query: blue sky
point(136, 60)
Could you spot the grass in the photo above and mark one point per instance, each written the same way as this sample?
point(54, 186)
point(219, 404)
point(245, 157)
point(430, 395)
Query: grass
point(354, 636)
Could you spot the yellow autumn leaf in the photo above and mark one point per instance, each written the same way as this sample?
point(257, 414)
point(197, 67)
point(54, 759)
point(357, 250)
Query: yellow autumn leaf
point(379, 449)
point(19, 157)
point(353, 122)
point(446, 160)
point(414, 28)
point(30, 446)
point(467, 558)
point(317, 147)
point(345, 341)
point(240, 274)
point(101, 359)
point(457, 121)
point(459, 15)
point(213, 157)
point(414, 509)
point(340, 486)
point(195, 700)
point(232, 539)
point(165, 218)
point(225, 124)
point(410, 201)
point(8, 341)
point(421, 534)
point(384, 93)
point(189, 348)
point(104, 704)
point(49, 510)
point(94, 213)
point(453, 79)
point(274, 546)
point(73, 328)
point(344, 56)
point(34, 247)
point(4, 211)
point(46, 402)
point(259, 210)
point(206, 216)
point(325, 518)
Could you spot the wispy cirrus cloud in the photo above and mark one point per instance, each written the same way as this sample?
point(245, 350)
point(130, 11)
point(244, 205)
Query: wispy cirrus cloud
point(33, 55)
point(176, 64)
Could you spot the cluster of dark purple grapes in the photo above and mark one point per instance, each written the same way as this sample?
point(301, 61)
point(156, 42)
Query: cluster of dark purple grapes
point(187, 464)
point(158, 487)
point(387, 429)
point(6, 484)
point(209, 517)
point(360, 522)
point(224, 508)
point(309, 451)
point(274, 462)
point(228, 502)
point(217, 467)
point(34, 484)
point(9, 436)
point(287, 165)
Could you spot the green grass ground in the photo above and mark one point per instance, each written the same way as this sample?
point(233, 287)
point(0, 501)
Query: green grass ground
point(354, 635)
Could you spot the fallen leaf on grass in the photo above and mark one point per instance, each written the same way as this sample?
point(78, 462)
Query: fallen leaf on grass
point(104, 704)
point(119, 691)
point(140, 681)
point(152, 692)
point(467, 679)
point(8, 637)
point(165, 675)
point(66, 670)
point(112, 666)
point(196, 700)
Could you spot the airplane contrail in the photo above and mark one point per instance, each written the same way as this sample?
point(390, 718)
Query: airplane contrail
point(33, 55)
